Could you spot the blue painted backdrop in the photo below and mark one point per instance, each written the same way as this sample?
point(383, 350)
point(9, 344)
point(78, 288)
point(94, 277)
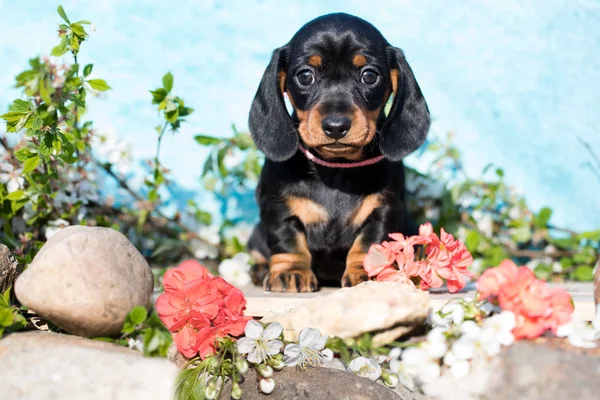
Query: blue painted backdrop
point(518, 81)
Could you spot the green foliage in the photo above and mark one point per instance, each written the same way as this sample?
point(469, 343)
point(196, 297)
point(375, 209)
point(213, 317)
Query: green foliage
point(11, 317)
point(146, 330)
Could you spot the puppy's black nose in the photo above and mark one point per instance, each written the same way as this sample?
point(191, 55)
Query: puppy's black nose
point(336, 126)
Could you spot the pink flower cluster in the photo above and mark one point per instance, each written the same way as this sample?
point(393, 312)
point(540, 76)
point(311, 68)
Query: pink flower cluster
point(199, 308)
point(444, 258)
point(537, 306)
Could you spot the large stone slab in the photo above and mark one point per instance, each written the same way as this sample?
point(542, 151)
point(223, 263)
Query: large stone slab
point(527, 371)
point(389, 309)
point(49, 366)
point(86, 280)
point(261, 303)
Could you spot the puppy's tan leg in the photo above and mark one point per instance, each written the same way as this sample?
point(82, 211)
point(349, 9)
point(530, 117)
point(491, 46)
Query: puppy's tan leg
point(355, 272)
point(291, 272)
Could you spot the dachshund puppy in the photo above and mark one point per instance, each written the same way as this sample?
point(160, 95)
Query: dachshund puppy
point(333, 179)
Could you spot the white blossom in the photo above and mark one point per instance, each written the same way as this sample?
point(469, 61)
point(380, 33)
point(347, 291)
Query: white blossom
point(11, 177)
point(236, 270)
point(580, 333)
point(405, 378)
point(310, 350)
point(365, 367)
point(266, 385)
point(135, 344)
point(418, 362)
point(260, 343)
point(114, 151)
point(55, 226)
point(484, 221)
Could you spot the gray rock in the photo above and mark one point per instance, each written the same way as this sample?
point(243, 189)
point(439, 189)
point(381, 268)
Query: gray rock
point(316, 384)
point(527, 371)
point(49, 366)
point(86, 280)
point(8, 269)
point(389, 309)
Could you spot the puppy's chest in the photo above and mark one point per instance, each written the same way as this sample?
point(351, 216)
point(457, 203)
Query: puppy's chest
point(332, 218)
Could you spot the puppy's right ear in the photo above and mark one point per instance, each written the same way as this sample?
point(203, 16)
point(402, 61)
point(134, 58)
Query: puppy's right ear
point(270, 124)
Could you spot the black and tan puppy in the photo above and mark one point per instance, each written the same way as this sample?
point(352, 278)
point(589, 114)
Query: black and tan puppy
point(333, 180)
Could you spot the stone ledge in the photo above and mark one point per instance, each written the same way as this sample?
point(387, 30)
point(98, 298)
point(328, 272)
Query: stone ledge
point(260, 303)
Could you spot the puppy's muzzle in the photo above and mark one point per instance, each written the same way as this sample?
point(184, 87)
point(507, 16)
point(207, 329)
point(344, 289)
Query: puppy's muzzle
point(336, 126)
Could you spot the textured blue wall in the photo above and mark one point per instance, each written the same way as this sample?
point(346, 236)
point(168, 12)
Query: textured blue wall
point(518, 81)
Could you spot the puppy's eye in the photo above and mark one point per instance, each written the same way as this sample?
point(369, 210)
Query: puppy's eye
point(369, 77)
point(305, 77)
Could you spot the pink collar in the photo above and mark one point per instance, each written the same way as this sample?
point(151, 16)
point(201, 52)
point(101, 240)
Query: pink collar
point(317, 160)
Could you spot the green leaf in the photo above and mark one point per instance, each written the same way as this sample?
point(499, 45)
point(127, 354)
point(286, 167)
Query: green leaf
point(168, 81)
point(6, 296)
point(6, 317)
point(46, 147)
point(83, 22)
point(74, 44)
point(60, 49)
point(78, 30)
point(543, 217)
point(16, 195)
point(98, 84)
point(13, 116)
point(591, 235)
point(584, 273)
point(152, 195)
point(87, 70)
point(473, 240)
point(158, 95)
point(31, 164)
point(37, 124)
point(207, 140)
point(20, 106)
point(521, 234)
point(61, 12)
point(138, 315)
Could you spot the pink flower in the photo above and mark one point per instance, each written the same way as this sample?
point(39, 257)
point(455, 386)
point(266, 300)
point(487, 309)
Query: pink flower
point(489, 283)
point(445, 258)
point(378, 258)
point(194, 304)
point(536, 306)
point(393, 275)
point(199, 308)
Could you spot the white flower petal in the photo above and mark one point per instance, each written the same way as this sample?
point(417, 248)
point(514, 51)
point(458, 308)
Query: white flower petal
point(245, 345)
point(253, 329)
point(272, 331)
point(464, 348)
point(256, 356)
point(292, 350)
point(327, 354)
point(414, 356)
point(309, 337)
point(356, 364)
point(395, 353)
point(460, 369)
point(274, 347)
point(266, 385)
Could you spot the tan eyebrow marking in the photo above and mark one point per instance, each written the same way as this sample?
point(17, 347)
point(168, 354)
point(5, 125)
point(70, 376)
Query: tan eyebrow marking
point(359, 60)
point(315, 60)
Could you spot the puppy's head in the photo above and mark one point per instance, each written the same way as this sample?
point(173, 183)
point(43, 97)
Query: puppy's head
point(338, 72)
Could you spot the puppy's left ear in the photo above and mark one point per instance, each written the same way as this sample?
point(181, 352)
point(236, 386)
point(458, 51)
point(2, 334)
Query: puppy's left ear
point(407, 124)
point(270, 124)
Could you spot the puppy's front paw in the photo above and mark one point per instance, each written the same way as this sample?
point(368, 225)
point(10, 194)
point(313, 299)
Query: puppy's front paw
point(293, 279)
point(353, 278)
